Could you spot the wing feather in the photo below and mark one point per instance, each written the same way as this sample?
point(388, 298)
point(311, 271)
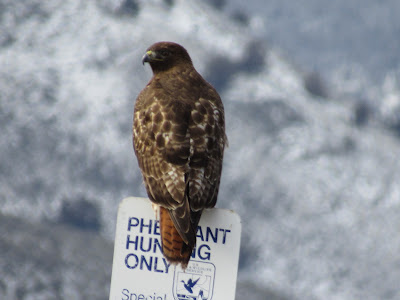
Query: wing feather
point(207, 131)
point(162, 153)
point(179, 143)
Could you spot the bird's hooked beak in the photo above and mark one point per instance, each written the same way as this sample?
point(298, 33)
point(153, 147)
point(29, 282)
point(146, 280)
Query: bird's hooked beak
point(151, 56)
point(147, 57)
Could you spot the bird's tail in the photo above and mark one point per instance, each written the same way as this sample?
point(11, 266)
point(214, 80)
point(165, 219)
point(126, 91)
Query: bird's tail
point(174, 248)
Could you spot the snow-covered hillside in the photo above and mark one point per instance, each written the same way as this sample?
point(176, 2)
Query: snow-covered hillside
point(314, 179)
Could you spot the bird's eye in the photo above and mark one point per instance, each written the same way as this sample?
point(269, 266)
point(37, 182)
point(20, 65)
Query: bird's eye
point(164, 53)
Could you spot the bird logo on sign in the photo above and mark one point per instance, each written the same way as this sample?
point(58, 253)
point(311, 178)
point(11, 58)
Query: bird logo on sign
point(195, 283)
point(190, 284)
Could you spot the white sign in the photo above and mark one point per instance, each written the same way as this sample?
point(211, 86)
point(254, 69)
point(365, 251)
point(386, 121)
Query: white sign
point(140, 272)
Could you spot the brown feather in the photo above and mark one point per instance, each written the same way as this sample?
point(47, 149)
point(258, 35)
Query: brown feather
point(179, 140)
point(173, 246)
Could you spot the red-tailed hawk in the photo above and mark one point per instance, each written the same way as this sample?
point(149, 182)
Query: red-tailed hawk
point(179, 139)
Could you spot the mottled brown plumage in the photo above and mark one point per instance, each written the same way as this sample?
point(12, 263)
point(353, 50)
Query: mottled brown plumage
point(179, 139)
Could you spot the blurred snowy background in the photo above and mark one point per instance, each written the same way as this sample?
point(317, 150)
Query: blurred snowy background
point(312, 97)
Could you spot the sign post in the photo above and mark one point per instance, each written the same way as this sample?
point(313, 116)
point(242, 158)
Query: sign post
point(140, 271)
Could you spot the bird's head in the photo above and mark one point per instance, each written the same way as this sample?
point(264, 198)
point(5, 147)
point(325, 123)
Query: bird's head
point(166, 55)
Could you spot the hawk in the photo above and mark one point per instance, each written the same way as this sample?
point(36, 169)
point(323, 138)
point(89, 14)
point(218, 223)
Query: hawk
point(179, 140)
